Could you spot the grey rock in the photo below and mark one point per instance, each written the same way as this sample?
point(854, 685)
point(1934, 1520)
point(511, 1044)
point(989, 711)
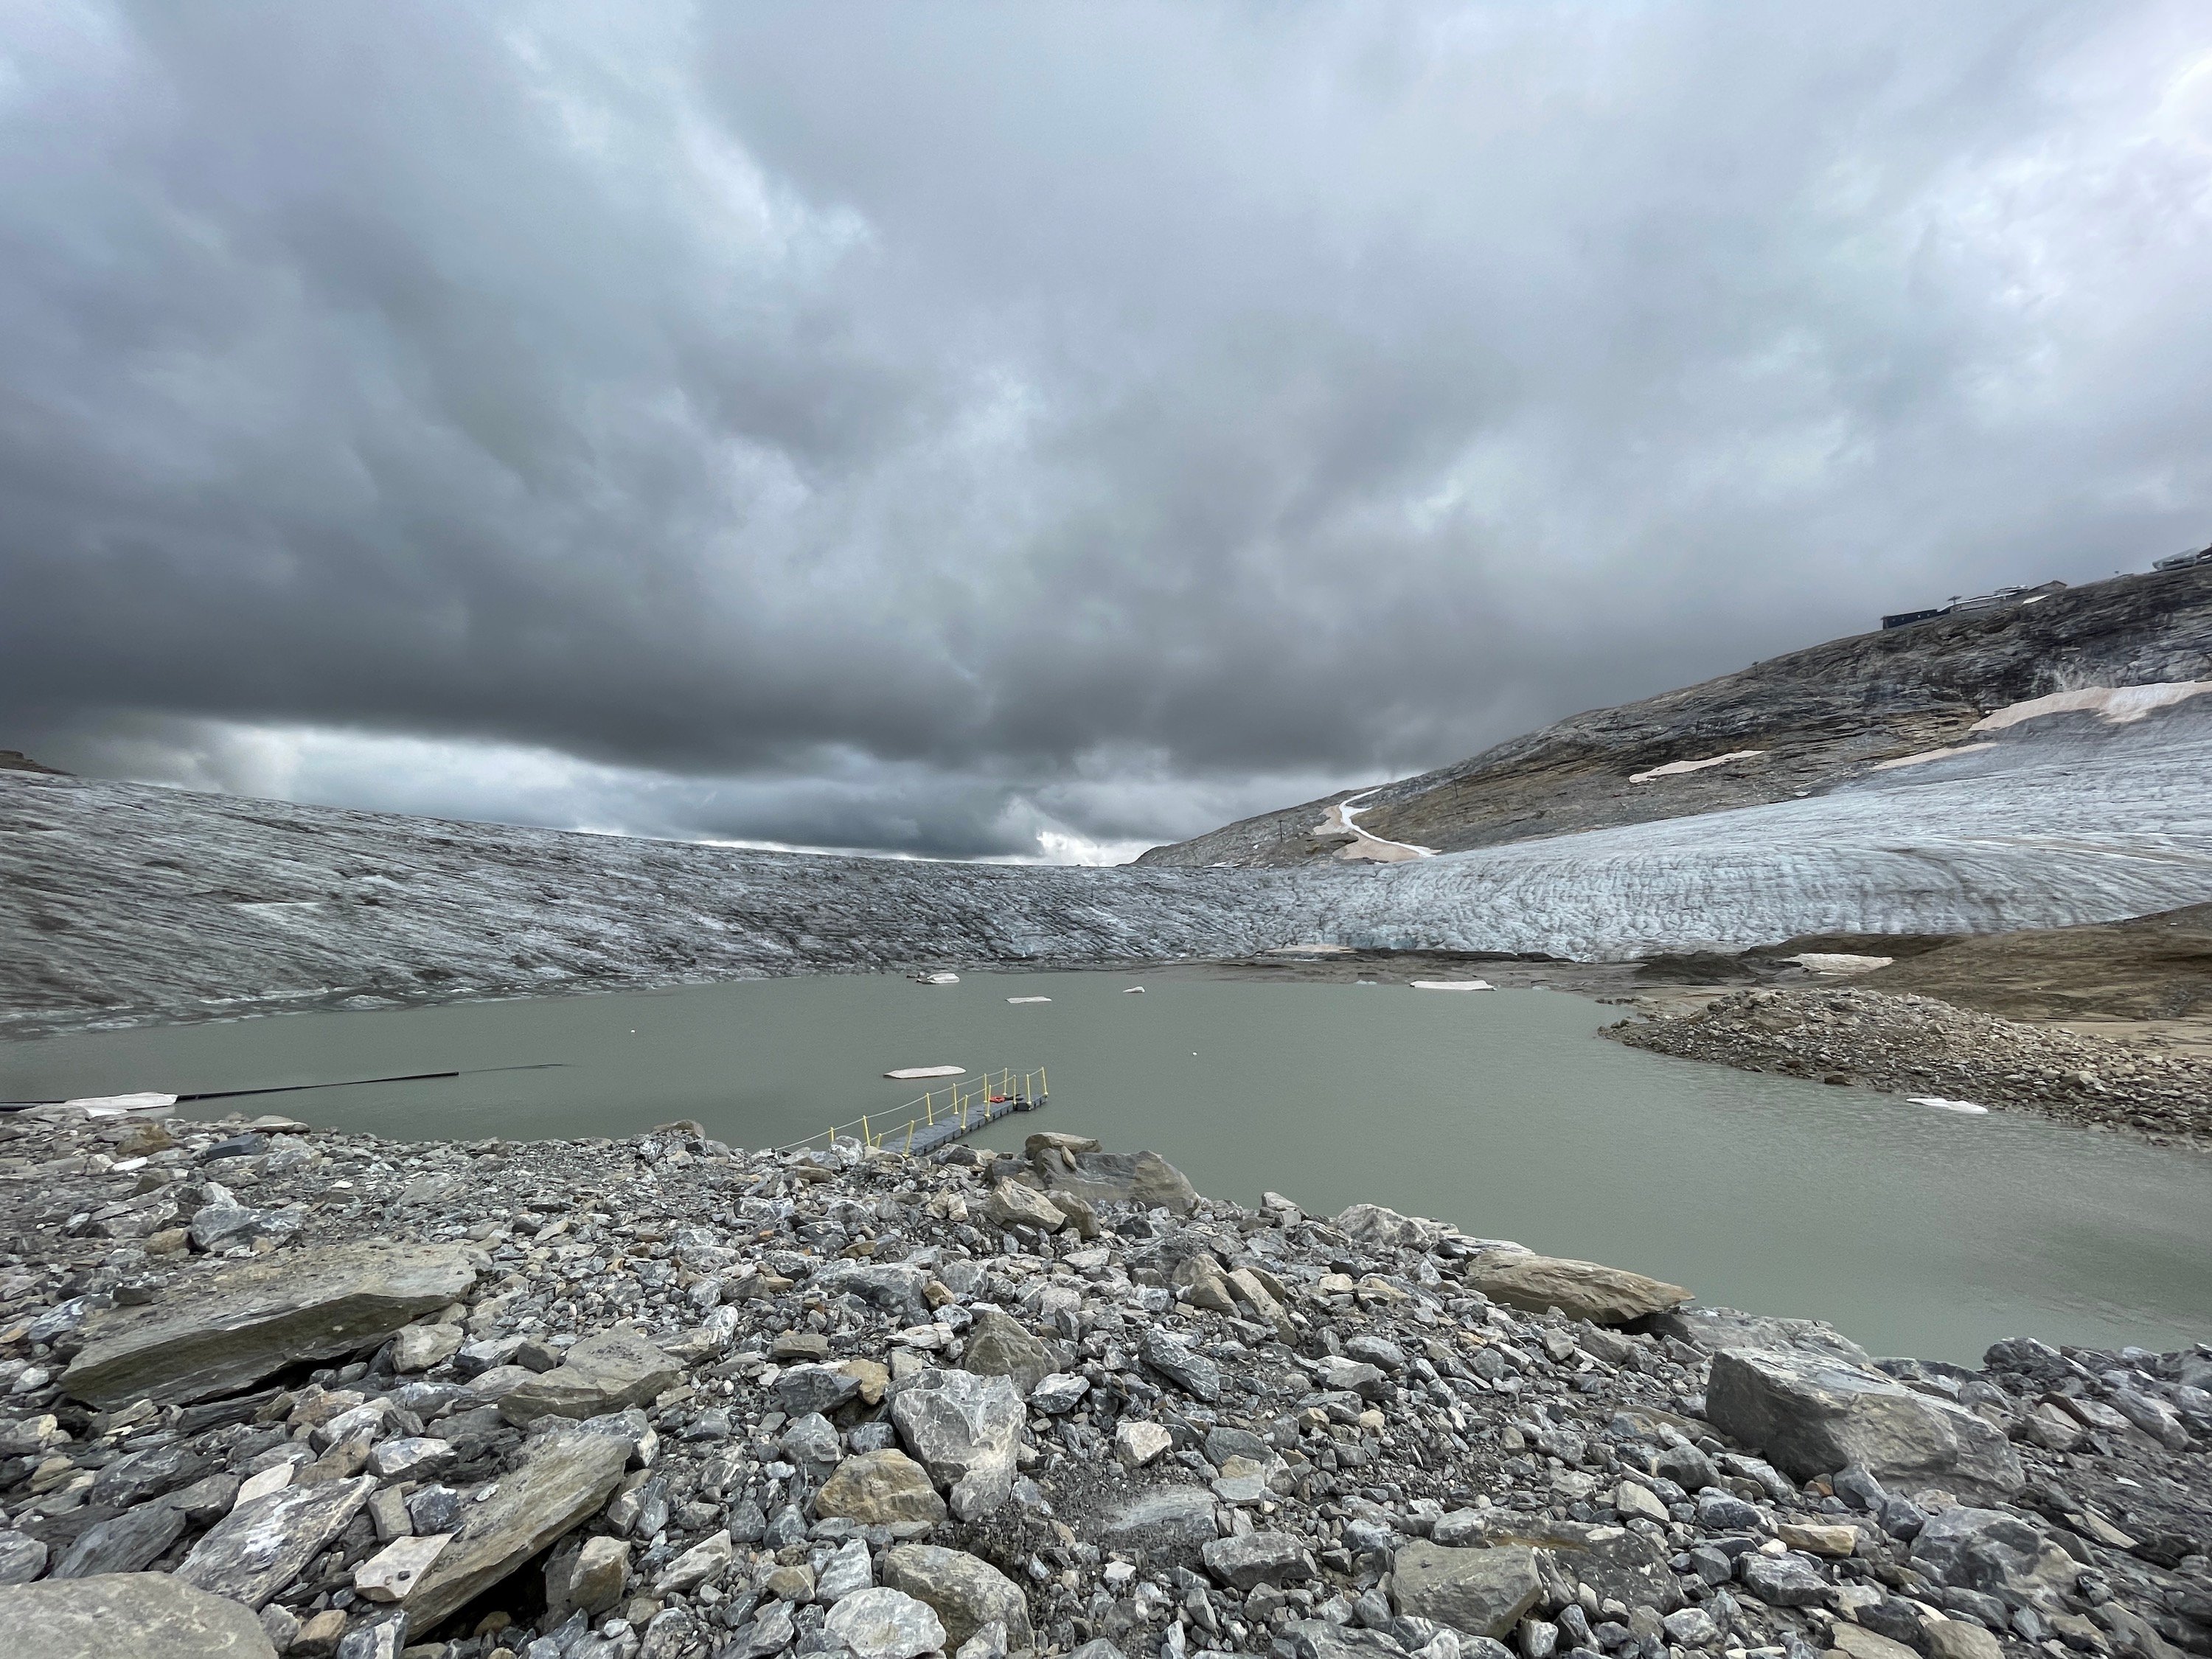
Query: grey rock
point(605, 1372)
point(880, 1488)
point(811, 1443)
point(141, 1475)
point(885, 1624)
point(418, 1347)
point(257, 1318)
point(564, 1477)
point(1997, 1554)
point(1692, 1627)
point(1350, 1376)
point(813, 1387)
point(1373, 1224)
point(384, 1639)
point(1376, 1351)
point(22, 1558)
point(219, 1227)
point(127, 1543)
point(999, 1346)
point(849, 1567)
point(259, 1547)
point(1144, 1179)
point(1784, 1581)
point(140, 1616)
point(704, 1562)
point(1164, 1518)
point(1257, 1557)
point(967, 1592)
point(1483, 1592)
point(891, 1286)
point(1581, 1290)
point(1687, 1467)
point(963, 1429)
point(1182, 1364)
point(1723, 1511)
point(1058, 1393)
point(1714, 1328)
point(1620, 1563)
point(770, 1632)
point(1810, 1415)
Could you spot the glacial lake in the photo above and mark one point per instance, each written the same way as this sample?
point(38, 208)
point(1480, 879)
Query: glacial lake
point(1913, 1231)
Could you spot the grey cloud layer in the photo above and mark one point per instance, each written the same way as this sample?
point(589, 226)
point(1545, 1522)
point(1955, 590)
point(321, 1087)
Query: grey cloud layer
point(907, 427)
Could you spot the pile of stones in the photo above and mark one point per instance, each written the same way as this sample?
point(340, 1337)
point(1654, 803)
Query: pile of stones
point(1917, 1045)
point(271, 1390)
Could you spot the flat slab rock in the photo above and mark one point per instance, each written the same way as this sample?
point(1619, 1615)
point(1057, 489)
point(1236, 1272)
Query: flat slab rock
point(610, 1371)
point(132, 1615)
point(1483, 1592)
point(1581, 1290)
point(1810, 1416)
point(265, 1543)
point(252, 1321)
point(566, 1477)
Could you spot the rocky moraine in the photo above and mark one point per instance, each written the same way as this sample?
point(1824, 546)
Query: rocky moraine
point(270, 1391)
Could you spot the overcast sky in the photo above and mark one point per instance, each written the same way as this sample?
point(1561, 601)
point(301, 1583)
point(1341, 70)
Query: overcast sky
point(1041, 430)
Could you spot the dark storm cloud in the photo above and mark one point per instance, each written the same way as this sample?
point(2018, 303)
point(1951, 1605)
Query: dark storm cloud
point(933, 428)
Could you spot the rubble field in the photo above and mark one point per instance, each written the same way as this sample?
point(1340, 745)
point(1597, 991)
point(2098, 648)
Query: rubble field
point(266, 1389)
point(1918, 1045)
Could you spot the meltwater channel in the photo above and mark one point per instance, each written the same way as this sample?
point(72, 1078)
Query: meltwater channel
point(1914, 1232)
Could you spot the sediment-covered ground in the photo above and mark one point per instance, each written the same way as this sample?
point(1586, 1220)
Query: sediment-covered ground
point(271, 1390)
point(1917, 1045)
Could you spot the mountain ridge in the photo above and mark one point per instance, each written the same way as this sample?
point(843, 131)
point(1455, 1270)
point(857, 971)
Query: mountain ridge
point(1817, 718)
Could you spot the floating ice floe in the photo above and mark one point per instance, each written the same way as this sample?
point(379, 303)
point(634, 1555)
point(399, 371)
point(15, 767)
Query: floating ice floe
point(1029, 999)
point(1963, 1107)
point(1133, 990)
point(939, 979)
point(909, 1073)
point(117, 1105)
point(1452, 985)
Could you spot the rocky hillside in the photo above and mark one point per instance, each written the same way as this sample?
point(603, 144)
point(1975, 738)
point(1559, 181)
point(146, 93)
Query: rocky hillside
point(1798, 723)
point(271, 1391)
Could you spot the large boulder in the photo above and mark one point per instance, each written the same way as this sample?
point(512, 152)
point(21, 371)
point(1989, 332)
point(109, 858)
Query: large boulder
point(999, 1346)
point(1245, 1562)
point(135, 1616)
point(251, 1320)
point(964, 1430)
point(1620, 1564)
point(1483, 1592)
point(610, 1371)
point(879, 1488)
point(1714, 1328)
point(1012, 1204)
point(1997, 1554)
point(967, 1592)
point(1144, 1179)
point(1372, 1223)
point(1810, 1416)
point(1581, 1290)
point(566, 1475)
point(885, 1624)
